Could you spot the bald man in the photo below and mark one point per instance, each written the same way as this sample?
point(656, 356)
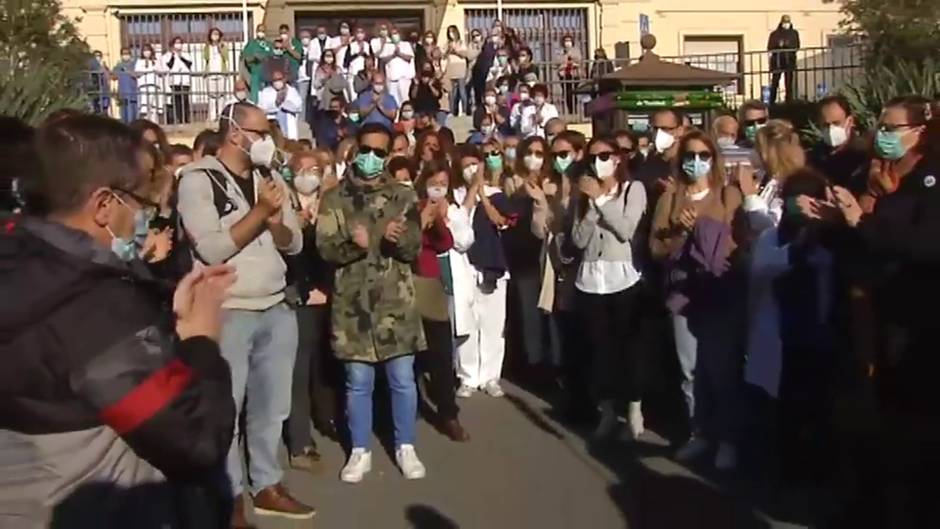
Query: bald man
point(725, 134)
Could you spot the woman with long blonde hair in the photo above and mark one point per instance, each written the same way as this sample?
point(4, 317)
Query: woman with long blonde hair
point(777, 154)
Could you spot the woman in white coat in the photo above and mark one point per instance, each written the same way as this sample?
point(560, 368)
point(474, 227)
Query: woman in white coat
point(282, 103)
point(148, 83)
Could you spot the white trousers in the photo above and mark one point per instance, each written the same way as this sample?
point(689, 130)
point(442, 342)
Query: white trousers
point(480, 354)
point(399, 90)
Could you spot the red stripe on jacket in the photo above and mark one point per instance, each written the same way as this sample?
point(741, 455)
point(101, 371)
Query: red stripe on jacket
point(434, 241)
point(148, 398)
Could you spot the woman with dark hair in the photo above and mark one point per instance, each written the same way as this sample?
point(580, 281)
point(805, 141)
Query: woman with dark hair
point(427, 147)
point(215, 60)
point(179, 65)
point(149, 84)
point(455, 71)
point(153, 134)
point(608, 282)
point(569, 70)
point(534, 118)
point(445, 229)
point(698, 230)
point(425, 95)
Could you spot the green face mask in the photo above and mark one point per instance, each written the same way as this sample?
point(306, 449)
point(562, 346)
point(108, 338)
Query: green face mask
point(563, 163)
point(369, 165)
point(889, 145)
point(495, 163)
point(751, 133)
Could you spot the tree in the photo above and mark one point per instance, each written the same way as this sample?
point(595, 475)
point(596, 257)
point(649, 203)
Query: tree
point(893, 29)
point(43, 60)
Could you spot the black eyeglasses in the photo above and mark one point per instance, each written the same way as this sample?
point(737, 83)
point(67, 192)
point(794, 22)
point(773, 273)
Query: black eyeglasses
point(602, 156)
point(149, 206)
point(691, 155)
point(752, 122)
point(562, 153)
point(493, 153)
point(888, 127)
point(365, 149)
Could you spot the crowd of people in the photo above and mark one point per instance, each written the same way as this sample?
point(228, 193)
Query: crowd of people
point(165, 291)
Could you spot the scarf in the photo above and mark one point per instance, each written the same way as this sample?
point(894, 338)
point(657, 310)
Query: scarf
point(885, 176)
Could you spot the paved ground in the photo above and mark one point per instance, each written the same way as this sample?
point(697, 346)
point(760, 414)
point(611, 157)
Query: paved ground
point(522, 469)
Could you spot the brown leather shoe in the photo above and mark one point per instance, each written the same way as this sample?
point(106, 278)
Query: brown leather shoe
point(455, 431)
point(277, 501)
point(238, 514)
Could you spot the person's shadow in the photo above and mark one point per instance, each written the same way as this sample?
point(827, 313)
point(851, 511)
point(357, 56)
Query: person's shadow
point(424, 517)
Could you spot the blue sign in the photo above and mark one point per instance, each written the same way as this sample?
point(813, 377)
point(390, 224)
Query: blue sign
point(644, 24)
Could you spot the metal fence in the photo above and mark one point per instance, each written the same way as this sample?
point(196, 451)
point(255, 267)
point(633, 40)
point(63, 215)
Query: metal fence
point(541, 29)
point(196, 97)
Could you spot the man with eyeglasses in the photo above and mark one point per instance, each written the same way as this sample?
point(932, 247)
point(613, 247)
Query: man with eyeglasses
point(666, 128)
point(115, 414)
point(232, 207)
point(752, 116)
point(841, 155)
point(368, 228)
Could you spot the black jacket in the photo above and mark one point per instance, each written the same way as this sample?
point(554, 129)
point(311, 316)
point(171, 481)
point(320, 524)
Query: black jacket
point(847, 167)
point(96, 391)
point(783, 39)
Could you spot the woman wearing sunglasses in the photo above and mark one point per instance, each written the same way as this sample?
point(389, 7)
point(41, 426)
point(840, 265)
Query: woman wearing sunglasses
point(523, 251)
point(605, 220)
point(697, 228)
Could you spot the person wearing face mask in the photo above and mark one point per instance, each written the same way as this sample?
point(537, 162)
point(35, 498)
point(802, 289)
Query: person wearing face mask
point(524, 100)
point(279, 61)
point(569, 70)
point(490, 108)
point(484, 63)
point(725, 135)
point(842, 154)
point(425, 94)
point(305, 72)
point(99, 85)
point(320, 42)
point(328, 84)
point(480, 287)
point(334, 125)
point(377, 105)
point(312, 277)
point(357, 54)
point(179, 65)
point(128, 91)
point(608, 284)
point(341, 40)
point(446, 230)
point(293, 50)
point(456, 58)
point(501, 68)
point(406, 122)
point(141, 396)
point(215, 60)
point(752, 116)
point(890, 229)
point(643, 145)
point(525, 69)
point(536, 116)
point(658, 169)
point(232, 206)
point(698, 229)
point(369, 228)
point(783, 44)
point(282, 103)
point(427, 51)
point(363, 80)
point(240, 93)
point(255, 55)
point(510, 147)
point(777, 154)
point(474, 49)
point(400, 68)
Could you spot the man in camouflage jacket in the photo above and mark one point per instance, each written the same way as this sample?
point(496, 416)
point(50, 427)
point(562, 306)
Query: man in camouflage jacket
point(368, 227)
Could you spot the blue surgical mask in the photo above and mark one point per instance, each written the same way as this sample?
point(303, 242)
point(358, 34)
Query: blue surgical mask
point(889, 145)
point(696, 169)
point(129, 249)
point(510, 153)
point(369, 165)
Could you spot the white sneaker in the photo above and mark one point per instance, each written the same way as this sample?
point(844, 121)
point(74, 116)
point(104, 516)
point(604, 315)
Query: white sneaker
point(408, 462)
point(635, 419)
point(465, 391)
point(727, 456)
point(493, 389)
point(692, 449)
point(359, 464)
point(608, 422)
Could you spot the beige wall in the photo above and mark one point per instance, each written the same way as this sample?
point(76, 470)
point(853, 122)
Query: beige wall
point(610, 21)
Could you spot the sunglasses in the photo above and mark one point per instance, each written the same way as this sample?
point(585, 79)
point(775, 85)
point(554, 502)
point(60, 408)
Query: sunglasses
point(365, 149)
point(493, 153)
point(692, 155)
point(752, 122)
point(562, 153)
point(602, 156)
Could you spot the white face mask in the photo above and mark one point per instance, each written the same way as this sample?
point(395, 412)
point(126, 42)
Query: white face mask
point(262, 152)
point(787, 25)
point(523, 96)
point(644, 151)
point(539, 100)
point(178, 46)
point(663, 140)
point(725, 141)
point(407, 114)
point(307, 183)
point(836, 136)
point(278, 85)
point(488, 130)
point(305, 41)
point(241, 95)
point(490, 100)
point(532, 162)
point(604, 169)
point(470, 172)
point(437, 192)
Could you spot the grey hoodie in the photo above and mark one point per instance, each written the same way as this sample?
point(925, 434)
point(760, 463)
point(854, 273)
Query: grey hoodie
point(260, 268)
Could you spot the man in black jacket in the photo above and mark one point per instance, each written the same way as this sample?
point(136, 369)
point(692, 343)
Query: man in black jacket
point(111, 416)
point(842, 155)
point(782, 45)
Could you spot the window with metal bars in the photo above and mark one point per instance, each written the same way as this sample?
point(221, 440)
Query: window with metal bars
point(541, 29)
point(158, 29)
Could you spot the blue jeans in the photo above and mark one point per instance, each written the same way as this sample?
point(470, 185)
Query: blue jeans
point(360, 380)
point(260, 347)
point(129, 110)
point(458, 93)
point(710, 360)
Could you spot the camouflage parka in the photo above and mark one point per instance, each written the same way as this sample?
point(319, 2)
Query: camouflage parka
point(374, 315)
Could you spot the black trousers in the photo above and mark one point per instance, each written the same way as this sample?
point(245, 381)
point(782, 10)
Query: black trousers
point(179, 105)
point(313, 394)
point(438, 362)
point(787, 83)
point(610, 323)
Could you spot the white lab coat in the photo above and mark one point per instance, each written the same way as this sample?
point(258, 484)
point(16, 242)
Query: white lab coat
point(461, 228)
point(315, 52)
point(528, 126)
point(180, 68)
point(286, 113)
point(150, 87)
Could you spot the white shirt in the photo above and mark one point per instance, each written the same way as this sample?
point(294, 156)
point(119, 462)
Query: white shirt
point(304, 59)
point(382, 48)
point(215, 59)
point(179, 67)
point(285, 113)
point(315, 52)
point(529, 126)
point(357, 64)
point(606, 277)
point(765, 209)
point(398, 68)
point(147, 70)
